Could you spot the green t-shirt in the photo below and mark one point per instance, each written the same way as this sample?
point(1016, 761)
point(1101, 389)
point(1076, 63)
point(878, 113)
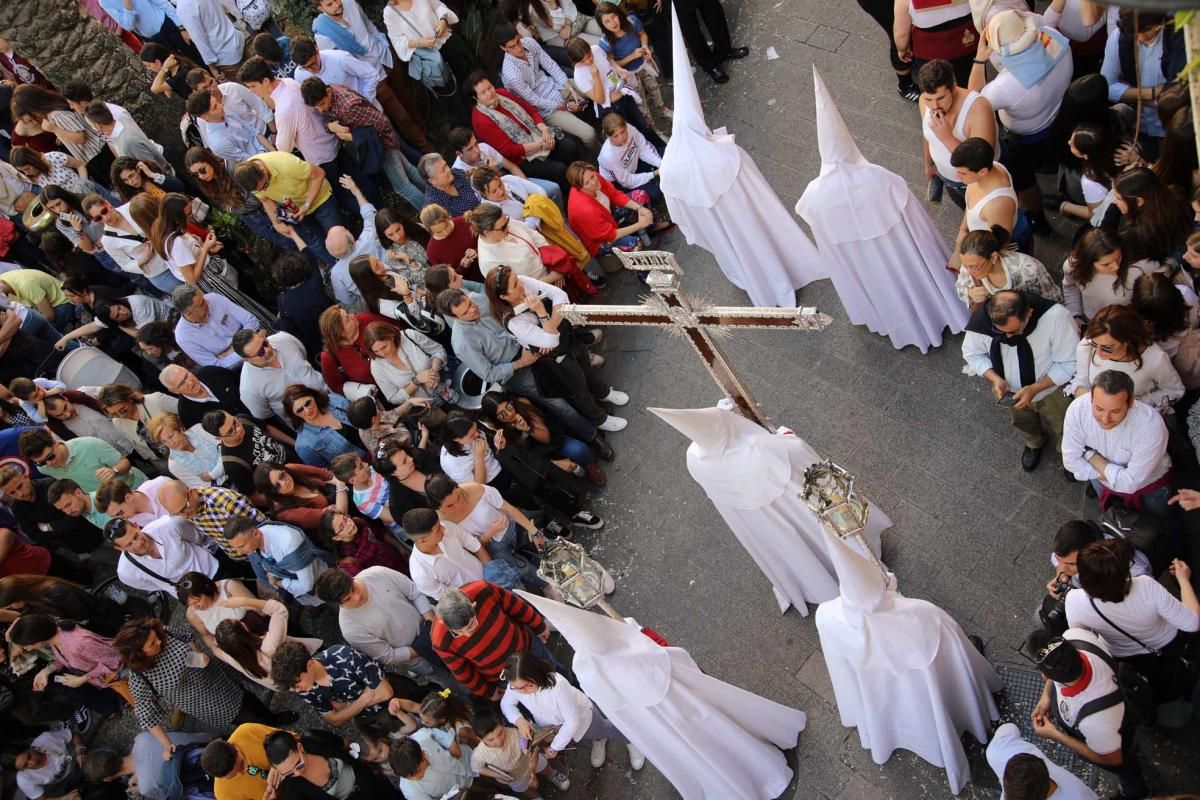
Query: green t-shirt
point(89, 454)
point(31, 286)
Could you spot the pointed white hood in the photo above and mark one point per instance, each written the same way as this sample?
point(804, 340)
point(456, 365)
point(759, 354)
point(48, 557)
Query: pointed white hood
point(736, 462)
point(698, 165)
point(884, 629)
point(617, 665)
point(836, 144)
point(852, 200)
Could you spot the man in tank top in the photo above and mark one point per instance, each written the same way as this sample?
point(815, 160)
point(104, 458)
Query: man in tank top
point(949, 116)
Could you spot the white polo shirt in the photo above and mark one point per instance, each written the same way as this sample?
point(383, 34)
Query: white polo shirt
point(452, 567)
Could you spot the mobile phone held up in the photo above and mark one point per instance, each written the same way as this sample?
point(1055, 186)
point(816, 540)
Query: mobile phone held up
point(1008, 400)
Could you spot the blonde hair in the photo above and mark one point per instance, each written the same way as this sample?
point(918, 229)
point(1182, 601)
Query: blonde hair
point(160, 423)
point(432, 214)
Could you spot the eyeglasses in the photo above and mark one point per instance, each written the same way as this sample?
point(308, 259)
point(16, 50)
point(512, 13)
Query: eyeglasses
point(1107, 349)
point(304, 405)
point(506, 412)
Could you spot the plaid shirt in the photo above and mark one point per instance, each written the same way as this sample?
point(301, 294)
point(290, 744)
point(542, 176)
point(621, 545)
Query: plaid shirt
point(217, 506)
point(536, 79)
point(355, 111)
point(368, 551)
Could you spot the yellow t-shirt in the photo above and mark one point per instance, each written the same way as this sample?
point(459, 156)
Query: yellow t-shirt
point(249, 739)
point(289, 180)
point(31, 286)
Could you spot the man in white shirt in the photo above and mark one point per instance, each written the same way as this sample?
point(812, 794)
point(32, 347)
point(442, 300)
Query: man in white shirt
point(141, 506)
point(1119, 444)
point(427, 770)
point(270, 365)
point(1079, 671)
point(230, 135)
point(444, 556)
point(281, 556)
point(1025, 347)
point(213, 33)
point(342, 245)
point(1025, 772)
point(384, 615)
point(154, 558)
point(334, 67)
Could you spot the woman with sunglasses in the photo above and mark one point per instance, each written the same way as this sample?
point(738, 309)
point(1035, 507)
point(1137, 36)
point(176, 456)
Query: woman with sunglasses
point(216, 184)
point(316, 766)
point(131, 177)
point(525, 425)
point(358, 543)
point(323, 430)
point(72, 222)
point(531, 311)
point(299, 494)
point(248, 651)
point(128, 243)
point(1118, 339)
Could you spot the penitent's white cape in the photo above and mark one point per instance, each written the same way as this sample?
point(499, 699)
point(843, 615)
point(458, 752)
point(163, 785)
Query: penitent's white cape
point(722, 203)
point(903, 671)
point(886, 258)
point(711, 740)
point(755, 479)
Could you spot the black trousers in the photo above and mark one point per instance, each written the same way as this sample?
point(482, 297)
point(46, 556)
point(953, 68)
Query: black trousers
point(170, 37)
point(883, 12)
point(566, 150)
point(691, 12)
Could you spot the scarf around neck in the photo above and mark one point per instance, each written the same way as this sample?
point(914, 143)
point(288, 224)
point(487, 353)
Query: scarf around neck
point(981, 323)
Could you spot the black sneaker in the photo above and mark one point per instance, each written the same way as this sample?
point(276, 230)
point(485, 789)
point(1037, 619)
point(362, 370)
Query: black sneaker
point(82, 721)
point(1040, 226)
point(908, 90)
point(587, 520)
point(1030, 457)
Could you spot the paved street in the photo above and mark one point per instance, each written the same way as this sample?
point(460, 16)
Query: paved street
point(972, 532)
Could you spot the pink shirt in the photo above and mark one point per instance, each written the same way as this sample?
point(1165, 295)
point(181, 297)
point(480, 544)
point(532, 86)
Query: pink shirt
point(84, 651)
point(300, 127)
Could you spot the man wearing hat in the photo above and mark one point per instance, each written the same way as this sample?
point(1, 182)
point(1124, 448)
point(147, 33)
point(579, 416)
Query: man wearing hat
point(1082, 707)
point(1035, 71)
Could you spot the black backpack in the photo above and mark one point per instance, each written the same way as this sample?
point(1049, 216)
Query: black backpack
point(1132, 689)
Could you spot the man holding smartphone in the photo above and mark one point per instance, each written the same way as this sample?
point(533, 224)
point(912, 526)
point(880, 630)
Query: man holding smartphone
point(1024, 346)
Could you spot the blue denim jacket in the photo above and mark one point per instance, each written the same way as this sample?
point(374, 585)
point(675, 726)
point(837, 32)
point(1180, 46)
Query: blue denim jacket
point(318, 447)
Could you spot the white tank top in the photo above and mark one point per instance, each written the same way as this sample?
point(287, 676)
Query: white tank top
point(975, 222)
point(933, 14)
point(937, 150)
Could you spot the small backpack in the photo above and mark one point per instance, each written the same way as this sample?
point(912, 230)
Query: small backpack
point(1132, 689)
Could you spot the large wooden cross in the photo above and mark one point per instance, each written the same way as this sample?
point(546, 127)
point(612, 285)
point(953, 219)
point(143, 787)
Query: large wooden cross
point(669, 306)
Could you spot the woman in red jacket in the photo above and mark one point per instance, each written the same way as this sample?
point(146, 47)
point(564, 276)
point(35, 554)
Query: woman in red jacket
point(517, 130)
point(346, 361)
point(602, 216)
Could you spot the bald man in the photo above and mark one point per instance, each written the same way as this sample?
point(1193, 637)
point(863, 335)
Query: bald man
point(206, 389)
point(343, 246)
point(209, 508)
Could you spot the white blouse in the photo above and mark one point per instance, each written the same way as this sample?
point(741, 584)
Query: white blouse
point(1155, 383)
point(418, 22)
point(519, 249)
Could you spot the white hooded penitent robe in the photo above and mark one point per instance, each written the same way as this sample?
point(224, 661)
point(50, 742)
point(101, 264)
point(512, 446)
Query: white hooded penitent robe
point(903, 671)
point(886, 258)
point(755, 478)
point(721, 202)
point(710, 739)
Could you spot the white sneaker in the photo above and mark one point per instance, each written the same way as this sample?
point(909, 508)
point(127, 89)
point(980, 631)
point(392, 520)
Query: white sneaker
point(599, 752)
point(597, 335)
point(559, 779)
point(636, 759)
point(613, 424)
point(595, 360)
point(617, 398)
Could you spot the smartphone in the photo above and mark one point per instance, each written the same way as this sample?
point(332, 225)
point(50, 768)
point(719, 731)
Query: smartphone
point(197, 660)
point(1008, 400)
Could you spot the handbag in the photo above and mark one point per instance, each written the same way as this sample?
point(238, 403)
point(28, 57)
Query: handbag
point(427, 64)
point(253, 12)
point(1182, 670)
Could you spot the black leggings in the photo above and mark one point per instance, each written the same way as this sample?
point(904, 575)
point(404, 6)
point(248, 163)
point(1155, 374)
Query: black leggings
point(882, 12)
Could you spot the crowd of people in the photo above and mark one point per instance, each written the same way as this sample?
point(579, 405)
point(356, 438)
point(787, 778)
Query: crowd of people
point(398, 420)
point(388, 416)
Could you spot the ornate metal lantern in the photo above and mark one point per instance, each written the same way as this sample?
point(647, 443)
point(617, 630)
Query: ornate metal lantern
point(829, 493)
point(580, 579)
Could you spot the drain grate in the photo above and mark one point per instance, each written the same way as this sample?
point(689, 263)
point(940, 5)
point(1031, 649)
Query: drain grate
point(1022, 690)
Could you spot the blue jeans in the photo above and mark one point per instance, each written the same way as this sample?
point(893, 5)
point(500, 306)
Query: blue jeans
point(257, 221)
point(515, 538)
point(522, 383)
point(64, 315)
point(575, 450)
point(36, 326)
point(166, 281)
point(405, 179)
point(326, 215)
